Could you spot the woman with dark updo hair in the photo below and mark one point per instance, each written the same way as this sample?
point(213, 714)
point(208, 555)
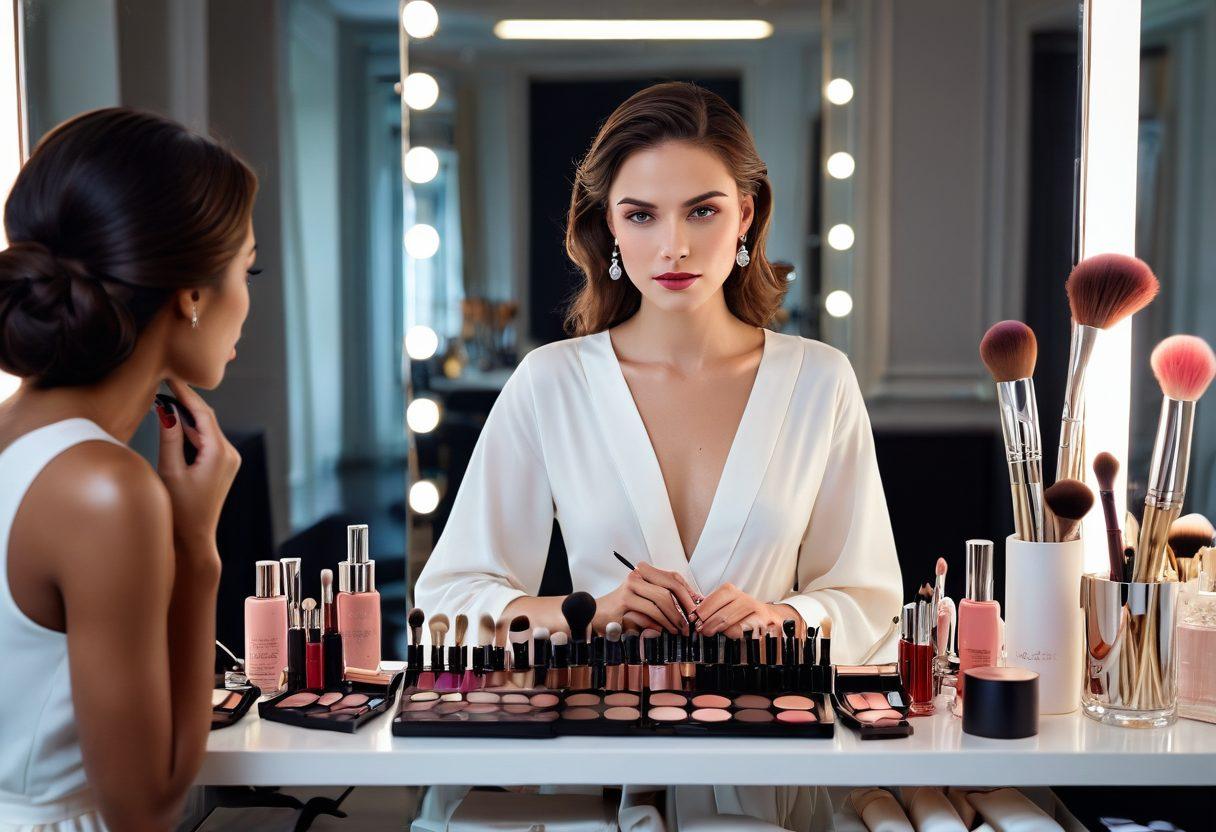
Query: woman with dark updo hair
point(130, 247)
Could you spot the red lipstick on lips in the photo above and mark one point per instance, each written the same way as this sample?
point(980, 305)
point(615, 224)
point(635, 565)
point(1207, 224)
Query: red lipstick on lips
point(676, 281)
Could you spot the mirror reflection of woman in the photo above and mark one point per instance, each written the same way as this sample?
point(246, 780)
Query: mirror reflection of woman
point(130, 247)
point(734, 466)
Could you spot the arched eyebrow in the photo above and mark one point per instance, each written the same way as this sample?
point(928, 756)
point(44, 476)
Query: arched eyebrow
point(641, 203)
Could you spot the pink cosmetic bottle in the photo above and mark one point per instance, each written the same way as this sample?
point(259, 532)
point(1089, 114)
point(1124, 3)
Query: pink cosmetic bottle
point(266, 630)
point(979, 617)
point(358, 603)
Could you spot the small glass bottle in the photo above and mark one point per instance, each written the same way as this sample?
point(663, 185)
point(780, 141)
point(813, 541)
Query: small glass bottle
point(922, 652)
point(1196, 644)
point(979, 616)
point(266, 630)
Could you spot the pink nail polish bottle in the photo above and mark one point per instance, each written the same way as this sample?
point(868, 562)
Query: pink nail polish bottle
point(359, 602)
point(266, 629)
point(979, 617)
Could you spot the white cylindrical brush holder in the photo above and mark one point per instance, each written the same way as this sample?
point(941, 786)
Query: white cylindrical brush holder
point(1043, 617)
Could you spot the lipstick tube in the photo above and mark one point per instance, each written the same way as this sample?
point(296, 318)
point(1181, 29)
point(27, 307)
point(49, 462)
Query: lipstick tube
point(296, 654)
point(921, 660)
point(656, 667)
point(314, 676)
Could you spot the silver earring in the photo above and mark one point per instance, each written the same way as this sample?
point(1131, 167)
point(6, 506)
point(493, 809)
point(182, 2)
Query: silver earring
point(614, 270)
point(194, 317)
point(742, 257)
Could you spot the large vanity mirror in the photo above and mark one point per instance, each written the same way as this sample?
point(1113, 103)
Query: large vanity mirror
point(922, 158)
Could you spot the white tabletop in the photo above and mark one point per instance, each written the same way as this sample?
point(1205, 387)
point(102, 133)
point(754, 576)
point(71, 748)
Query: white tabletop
point(1069, 750)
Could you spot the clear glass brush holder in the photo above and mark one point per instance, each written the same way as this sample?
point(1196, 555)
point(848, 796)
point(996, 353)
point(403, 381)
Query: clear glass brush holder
point(1131, 657)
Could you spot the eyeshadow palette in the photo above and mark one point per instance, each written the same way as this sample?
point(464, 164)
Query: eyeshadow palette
point(331, 710)
point(600, 713)
point(228, 706)
point(477, 713)
point(872, 701)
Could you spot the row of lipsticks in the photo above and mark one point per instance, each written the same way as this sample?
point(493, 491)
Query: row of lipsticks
point(618, 660)
point(292, 642)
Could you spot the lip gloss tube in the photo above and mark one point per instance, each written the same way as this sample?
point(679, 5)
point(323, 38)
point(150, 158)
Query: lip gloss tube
point(921, 659)
point(656, 668)
point(313, 676)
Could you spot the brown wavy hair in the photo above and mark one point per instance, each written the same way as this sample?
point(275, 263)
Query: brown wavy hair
point(115, 210)
point(673, 111)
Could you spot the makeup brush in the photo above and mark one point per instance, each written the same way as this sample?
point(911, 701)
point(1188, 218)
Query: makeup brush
point(789, 647)
point(1106, 468)
point(1184, 366)
point(943, 607)
point(1068, 501)
point(333, 663)
point(541, 654)
point(1189, 534)
point(578, 609)
point(521, 667)
point(439, 631)
point(415, 620)
point(485, 642)
point(1009, 351)
point(1102, 291)
point(456, 653)
point(825, 641)
point(613, 677)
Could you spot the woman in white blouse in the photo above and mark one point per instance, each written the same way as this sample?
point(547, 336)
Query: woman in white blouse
point(732, 465)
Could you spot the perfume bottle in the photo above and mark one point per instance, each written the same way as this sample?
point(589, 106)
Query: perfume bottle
point(1196, 644)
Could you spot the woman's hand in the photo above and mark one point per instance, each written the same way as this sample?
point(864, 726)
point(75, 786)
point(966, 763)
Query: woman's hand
point(648, 598)
point(196, 491)
point(730, 610)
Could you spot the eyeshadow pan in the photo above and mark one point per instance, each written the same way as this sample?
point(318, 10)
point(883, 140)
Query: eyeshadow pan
point(626, 699)
point(429, 695)
point(667, 700)
point(875, 716)
point(582, 699)
point(793, 702)
point(751, 700)
point(219, 697)
point(354, 700)
point(753, 715)
point(347, 712)
point(419, 707)
point(452, 697)
point(329, 698)
point(580, 713)
point(450, 707)
point(711, 714)
point(298, 700)
point(622, 713)
point(544, 700)
point(482, 696)
point(482, 708)
point(516, 708)
point(858, 701)
point(877, 700)
point(796, 717)
point(515, 698)
point(667, 713)
point(710, 700)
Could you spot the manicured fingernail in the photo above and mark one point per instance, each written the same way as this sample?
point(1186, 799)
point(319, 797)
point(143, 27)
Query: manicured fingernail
point(167, 419)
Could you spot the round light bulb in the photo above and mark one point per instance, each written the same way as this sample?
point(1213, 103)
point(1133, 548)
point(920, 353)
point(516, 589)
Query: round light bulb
point(419, 19)
point(839, 91)
point(422, 415)
point(421, 91)
point(421, 241)
point(424, 497)
point(838, 303)
point(421, 342)
point(840, 237)
point(421, 165)
point(840, 165)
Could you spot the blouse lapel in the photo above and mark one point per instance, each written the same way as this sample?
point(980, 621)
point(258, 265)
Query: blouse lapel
point(748, 459)
point(625, 435)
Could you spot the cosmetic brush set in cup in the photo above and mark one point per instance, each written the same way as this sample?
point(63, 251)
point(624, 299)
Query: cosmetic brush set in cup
point(1041, 581)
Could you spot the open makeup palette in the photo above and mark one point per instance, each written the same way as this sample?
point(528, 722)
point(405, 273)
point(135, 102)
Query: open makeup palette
point(344, 710)
point(871, 700)
point(228, 706)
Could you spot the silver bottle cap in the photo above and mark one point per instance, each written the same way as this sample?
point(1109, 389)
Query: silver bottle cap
point(291, 580)
point(357, 550)
point(362, 576)
point(979, 570)
point(266, 581)
point(907, 622)
point(343, 576)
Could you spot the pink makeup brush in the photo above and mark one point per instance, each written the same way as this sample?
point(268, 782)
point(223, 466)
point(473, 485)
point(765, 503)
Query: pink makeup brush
point(1106, 468)
point(1184, 366)
point(1102, 290)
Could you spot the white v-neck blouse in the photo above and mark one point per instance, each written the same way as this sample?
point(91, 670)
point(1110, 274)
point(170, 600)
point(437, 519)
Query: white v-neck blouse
point(798, 517)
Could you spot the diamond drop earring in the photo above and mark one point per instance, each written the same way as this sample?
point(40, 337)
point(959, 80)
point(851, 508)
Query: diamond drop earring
point(742, 257)
point(194, 317)
point(614, 270)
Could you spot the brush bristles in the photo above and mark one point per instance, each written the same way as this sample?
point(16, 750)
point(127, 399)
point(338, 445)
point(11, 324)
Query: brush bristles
point(925, 593)
point(462, 627)
point(825, 627)
point(1106, 288)
point(520, 623)
point(540, 634)
point(485, 629)
point(439, 628)
point(1009, 351)
point(559, 639)
point(940, 568)
point(1070, 499)
point(1106, 468)
point(578, 609)
point(1189, 534)
point(416, 617)
point(790, 627)
point(1184, 366)
point(613, 631)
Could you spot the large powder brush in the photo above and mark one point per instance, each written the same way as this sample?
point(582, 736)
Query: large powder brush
point(1184, 366)
point(1009, 351)
point(1102, 291)
point(1068, 501)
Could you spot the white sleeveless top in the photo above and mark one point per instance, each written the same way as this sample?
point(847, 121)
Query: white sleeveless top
point(42, 779)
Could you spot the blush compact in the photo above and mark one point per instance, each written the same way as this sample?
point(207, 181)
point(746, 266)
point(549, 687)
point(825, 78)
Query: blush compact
point(344, 709)
point(871, 700)
point(228, 706)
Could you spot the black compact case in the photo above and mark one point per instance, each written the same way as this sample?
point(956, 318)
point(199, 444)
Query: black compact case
point(344, 709)
point(861, 690)
point(519, 714)
point(234, 705)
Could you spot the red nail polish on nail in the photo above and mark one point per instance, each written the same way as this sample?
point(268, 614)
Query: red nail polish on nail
point(167, 419)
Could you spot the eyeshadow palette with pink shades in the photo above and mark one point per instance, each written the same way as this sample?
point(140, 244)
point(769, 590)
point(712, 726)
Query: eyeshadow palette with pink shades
point(872, 701)
point(515, 713)
point(342, 710)
point(228, 706)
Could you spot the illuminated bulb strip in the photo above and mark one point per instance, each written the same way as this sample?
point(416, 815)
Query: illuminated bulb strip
point(633, 29)
point(1108, 224)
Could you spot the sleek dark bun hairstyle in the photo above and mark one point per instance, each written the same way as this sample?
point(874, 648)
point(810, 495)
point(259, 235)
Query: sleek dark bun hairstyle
point(115, 210)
